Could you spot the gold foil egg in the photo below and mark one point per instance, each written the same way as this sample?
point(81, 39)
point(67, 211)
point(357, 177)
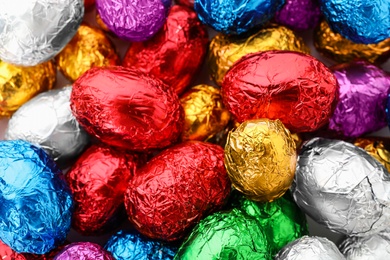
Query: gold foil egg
point(20, 84)
point(260, 158)
point(205, 114)
point(340, 49)
point(224, 50)
point(377, 148)
point(90, 47)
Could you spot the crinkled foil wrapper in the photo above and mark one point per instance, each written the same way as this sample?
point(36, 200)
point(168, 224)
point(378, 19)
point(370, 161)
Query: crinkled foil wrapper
point(236, 17)
point(47, 121)
point(176, 189)
point(129, 244)
point(19, 84)
point(204, 113)
point(226, 235)
point(310, 248)
point(260, 159)
point(293, 87)
point(359, 21)
point(363, 94)
point(84, 250)
point(176, 53)
point(342, 187)
point(127, 108)
point(36, 202)
point(379, 148)
point(188, 3)
point(372, 247)
point(147, 17)
point(6, 253)
point(34, 31)
point(334, 46)
point(225, 50)
point(90, 47)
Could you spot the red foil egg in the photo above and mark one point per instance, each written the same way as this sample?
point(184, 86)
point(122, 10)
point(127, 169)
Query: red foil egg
point(189, 3)
point(127, 108)
point(6, 253)
point(177, 188)
point(98, 181)
point(293, 87)
point(175, 53)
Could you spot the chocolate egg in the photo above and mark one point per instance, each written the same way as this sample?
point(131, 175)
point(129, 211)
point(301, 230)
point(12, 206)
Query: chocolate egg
point(84, 250)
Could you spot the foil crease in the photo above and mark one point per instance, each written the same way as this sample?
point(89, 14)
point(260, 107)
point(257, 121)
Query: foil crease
point(342, 187)
point(84, 250)
point(379, 148)
point(34, 31)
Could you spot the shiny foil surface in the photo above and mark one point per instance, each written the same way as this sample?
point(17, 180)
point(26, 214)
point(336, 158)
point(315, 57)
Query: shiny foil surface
point(24, 42)
point(133, 20)
point(127, 108)
point(225, 50)
point(359, 21)
point(188, 3)
point(36, 201)
point(334, 46)
point(299, 14)
point(342, 187)
point(379, 148)
point(19, 84)
point(260, 159)
point(293, 87)
point(175, 53)
point(47, 121)
point(360, 83)
point(131, 245)
point(315, 248)
point(6, 253)
point(176, 189)
point(84, 250)
point(236, 17)
point(98, 181)
point(204, 113)
point(90, 47)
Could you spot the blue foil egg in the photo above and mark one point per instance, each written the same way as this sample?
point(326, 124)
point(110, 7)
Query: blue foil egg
point(236, 16)
point(360, 21)
point(128, 245)
point(35, 201)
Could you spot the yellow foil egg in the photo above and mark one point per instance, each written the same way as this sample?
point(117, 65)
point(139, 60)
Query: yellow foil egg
point(224, 50)
point(19, 84)
point(340, 49)
point(90, 47)
point(377, 148)
point(260, 158)
point(205, 115)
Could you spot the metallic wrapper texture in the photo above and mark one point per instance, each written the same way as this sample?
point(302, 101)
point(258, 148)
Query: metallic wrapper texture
point(34, 31)
point(175, 53)
point(342, 187)
point(236, 17)
point(19, 84)
point(6, 253)
point(314, 248)
point(204, 113)
point(176, 189)
point(47, 121)
point(225, 50)
point(226, 235)
point(188, 3)
point(299, 14)
point(379, 148)
point(133, 20)
point(127, 108)
point(374, 247)
point(336, 47)
point(90, 47)
point(98, 181)
point(36, 201)
point(131, 245)
point(293, 87)
point(84, 250)
point(359, 21)
point(260, 159)
point(363, 94)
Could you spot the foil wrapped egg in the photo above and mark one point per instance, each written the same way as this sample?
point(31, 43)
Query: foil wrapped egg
point(188, 3)
point(377, 147)
point(6, 253)
point(84, 250)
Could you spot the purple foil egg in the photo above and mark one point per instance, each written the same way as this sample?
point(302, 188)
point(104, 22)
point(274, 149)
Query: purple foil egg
point(85, 251)
point(133, 20)
point(299, 14)
point(363, 94)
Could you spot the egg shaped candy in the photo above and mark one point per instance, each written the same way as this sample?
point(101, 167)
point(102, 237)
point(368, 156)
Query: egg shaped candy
point(6, 253)
point(85, 251)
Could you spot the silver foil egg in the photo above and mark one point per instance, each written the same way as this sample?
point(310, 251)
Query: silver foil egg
point(342, 187)
point(34, 31)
